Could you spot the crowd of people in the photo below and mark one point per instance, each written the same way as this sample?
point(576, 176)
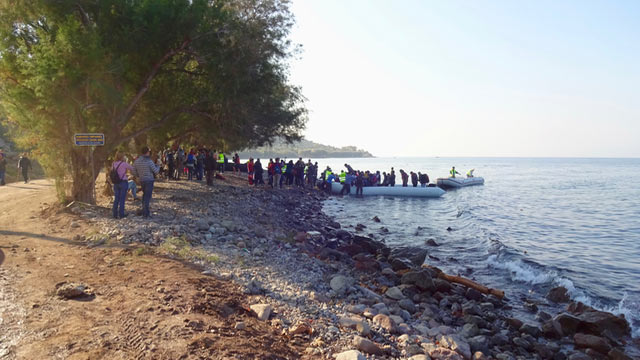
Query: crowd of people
point(361, 179)
point(281, 173)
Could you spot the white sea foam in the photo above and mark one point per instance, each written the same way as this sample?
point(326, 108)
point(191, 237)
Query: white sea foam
point(520, 271)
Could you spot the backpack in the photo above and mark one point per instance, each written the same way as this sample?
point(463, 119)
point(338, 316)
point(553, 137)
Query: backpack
point(113, 175)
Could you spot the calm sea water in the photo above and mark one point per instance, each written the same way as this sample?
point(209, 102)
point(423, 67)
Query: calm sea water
point(535, 224)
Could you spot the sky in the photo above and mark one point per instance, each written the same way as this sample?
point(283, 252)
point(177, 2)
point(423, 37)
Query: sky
point(471, 78)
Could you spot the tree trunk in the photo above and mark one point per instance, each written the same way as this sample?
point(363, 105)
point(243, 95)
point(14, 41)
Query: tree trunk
point(81, 175)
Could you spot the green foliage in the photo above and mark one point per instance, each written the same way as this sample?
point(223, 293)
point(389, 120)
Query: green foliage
point(205, 72)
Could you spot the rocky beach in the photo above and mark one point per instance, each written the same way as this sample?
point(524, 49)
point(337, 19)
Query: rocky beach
point(318, 289)
point(345, 294)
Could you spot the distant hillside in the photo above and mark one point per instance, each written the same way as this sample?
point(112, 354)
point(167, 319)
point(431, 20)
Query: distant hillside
point(305, 149)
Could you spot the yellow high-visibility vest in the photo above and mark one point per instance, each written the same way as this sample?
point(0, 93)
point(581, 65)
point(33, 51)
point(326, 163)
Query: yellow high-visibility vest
point(221, 158)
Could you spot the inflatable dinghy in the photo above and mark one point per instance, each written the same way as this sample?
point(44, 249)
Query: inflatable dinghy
point(430, 192)
point(454, 183)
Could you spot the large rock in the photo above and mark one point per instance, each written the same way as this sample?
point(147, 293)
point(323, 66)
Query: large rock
point(456, 344)
point(350, 355)
point(422, 279)
point(369, 245)
point(415, 254)
point(385, 322)
point(592, 342)
point(394, 293)
point(367, 346)
point(585, 319)
point(479, 343)
point(408, 305)
point(340, 283)
point(398, 264)
point(71, 290)
point(558, 295)
point(444, 354)
point(262, 311)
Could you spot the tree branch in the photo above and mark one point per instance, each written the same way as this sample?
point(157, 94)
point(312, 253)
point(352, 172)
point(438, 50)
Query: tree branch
point(125, 116)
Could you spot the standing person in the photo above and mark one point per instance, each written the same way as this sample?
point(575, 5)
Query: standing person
point(258, 171)
point(120, 182)
point(221, 158)
point(270, 168)
point(289, 172)
point(414, 179)
point(236, 163)
point(25, 164)
point(250, 170)
point(359, 185)
point(144, 169)
point(277, 172)
point(200, 164)
point(171, 164)
point(3, 167)
point(405, 178)
point(392, 178)
point(210, 167)
point(191, 165)
point(453, 172)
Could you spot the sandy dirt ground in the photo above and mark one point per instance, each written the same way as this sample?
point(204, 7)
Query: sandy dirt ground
point(141, 306)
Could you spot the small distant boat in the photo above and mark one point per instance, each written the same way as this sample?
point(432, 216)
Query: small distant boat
point(429, 192)
point(454, 183)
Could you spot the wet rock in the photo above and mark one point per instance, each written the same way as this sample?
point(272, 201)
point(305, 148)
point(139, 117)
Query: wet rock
point(442, 286)
point(518, 341)
point(343, 234)
point(376, 219)
point(552, 329)
point(71, 290)
point(431, 242)
point(398, 264)
point(366, 346)
point(531, 330)
point(415, 254)
point(616, 354)
point(262, 311)
point(597, 322)
point(385, 322)
point(558, 294)
point(394, 293)
point(473, 294)
point(469, 330)
point(422, 279)
point(499, 339)
point(514, 323)
point(592, 342)
point(544, 351)
point(369, 245)
point(350, 355)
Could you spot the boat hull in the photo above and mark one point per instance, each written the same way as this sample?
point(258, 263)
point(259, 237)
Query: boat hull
point(454, 183)
point(427, 192)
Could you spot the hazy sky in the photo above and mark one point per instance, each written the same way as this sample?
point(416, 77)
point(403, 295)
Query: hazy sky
point(472, 78)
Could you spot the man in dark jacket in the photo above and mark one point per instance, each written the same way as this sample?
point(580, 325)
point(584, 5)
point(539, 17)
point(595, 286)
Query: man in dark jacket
point(210, 166)
point(24, 164)
point(3, 167)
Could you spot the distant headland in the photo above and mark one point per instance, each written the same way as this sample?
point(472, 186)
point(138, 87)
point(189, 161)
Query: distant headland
point(306, 149)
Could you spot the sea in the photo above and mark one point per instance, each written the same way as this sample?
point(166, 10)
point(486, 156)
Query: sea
point(535, 224)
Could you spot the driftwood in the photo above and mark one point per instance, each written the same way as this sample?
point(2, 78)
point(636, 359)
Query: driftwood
point(466, 282)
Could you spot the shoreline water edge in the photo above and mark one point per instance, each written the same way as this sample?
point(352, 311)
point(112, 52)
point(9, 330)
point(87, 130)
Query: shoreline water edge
point(347, 295)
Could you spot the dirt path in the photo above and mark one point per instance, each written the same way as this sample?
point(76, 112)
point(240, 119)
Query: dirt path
point(145, 307)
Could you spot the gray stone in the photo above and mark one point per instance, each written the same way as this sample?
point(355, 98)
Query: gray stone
point(71, 290)
point(456, 344)
point(592, 342)
point(531, 330)
point(441, 353)
point(499, 339)
point(350, 355)
point(363, 328)
point(367, 346)
point(262, 311)
point(420, 357)
point(408, 305)
point(394, 293)
point(558, 295)
point(469, 330)
point(422, 279)
point(240, 325)
point(202, 225)
point(518, 341)
point(479, 343)
point(340, 283)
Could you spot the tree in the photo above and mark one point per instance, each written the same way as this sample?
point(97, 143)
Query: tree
point(215, 71)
